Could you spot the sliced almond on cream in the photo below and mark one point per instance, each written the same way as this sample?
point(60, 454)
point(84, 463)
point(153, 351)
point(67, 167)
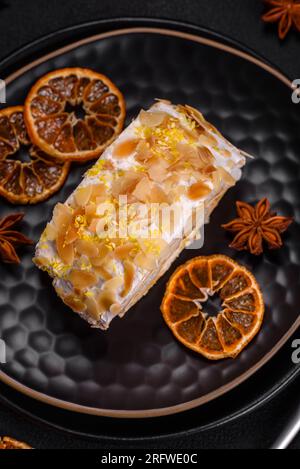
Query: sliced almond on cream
point(113, 284)
point(82, 279)
point(62, 216)
point(103, 272)
point(99, 192)
point(143, 189)
point(51, 232)
point(206, 155)
point(126, 184)
point(158, 170)
point(143, 152)
point(226, 176)
point(105, 300)
point(87, 248)
point(145, 261)
point(102, 252)
point(83, 195)
point(152, 119)
point(125, 148)
point(71, 235)
point(171, 182)
point(207, 140)
point(129, 271)
point(115, 308)
point(198, 190)
point(93, 225)
point(93, 307)
point(74, 303)
point(90, 211)
point(123, 251)
point(158, 195)
point(65, 251)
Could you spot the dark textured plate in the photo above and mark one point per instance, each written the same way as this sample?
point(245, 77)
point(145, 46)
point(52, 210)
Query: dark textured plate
point(137, 369)
point(257, 391)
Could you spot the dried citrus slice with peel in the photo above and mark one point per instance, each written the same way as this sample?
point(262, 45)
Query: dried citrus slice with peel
point(183, 287)
point(228, 332)
point(27, 174)
point(73, 114)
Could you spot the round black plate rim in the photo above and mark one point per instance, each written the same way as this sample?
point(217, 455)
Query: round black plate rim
point(113, 23)
point(261, 62)
point(223, 389)
point(256, 404)
point(160, 412)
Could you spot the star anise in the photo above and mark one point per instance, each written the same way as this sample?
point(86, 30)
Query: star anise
point(285, 12)
point(10, 239)
point(255, 225)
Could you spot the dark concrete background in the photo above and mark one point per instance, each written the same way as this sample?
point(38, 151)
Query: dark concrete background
point(23, 21)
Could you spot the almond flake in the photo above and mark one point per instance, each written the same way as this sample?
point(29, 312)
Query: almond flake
point(71, 235)
point(217, 181)
point(145, 261)
point(93, 225)
point(152, 119)
point(207, 140)
point(62, 216)
point(104, 249)
point(171, 182)
point(126, 184)
point(226, 176)
point(175, 194)
point(143, 152)
point(115, 308)
point(158, 195)
point(99, 192)
point(83, 195)
point(65, 251)
point(82, 279)
point(123, 251)
point(51, 232)
point(198, 190)
point(143, 189)
point(129, 271)
point(93, 307)
point(106, 299)
point(74, 303)
point(158, 170)
point(205, 155)
point(196, 116)
point(125, 148)
point(113, 284)
point(99, 260)
point(87, 248)
point(187, 151)
point(102, 272)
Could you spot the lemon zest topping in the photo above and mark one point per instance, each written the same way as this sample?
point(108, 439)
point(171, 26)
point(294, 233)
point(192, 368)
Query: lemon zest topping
point(152, 247)
point(80, 221)
point(58, 268)
point(95, 170)
point(139, 169)
point(164, 138)
point(89, 294)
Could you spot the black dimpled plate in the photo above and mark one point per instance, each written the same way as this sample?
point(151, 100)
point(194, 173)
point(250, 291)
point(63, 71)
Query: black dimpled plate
point(137, 368)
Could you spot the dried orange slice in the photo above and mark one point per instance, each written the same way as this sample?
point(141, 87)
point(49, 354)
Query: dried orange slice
point(10, 443)
point(227, 333)
point(73, 114)
point(27, 174)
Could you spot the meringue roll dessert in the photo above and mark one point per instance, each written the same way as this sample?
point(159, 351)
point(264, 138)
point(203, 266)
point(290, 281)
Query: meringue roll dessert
point(109, 243)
